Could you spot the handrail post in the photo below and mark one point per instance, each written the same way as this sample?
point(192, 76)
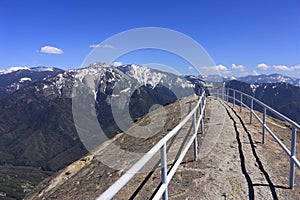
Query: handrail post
point(264, 125)
point(233, 97)
point(293, 153)
point(251, 111)
point(195, 133)
point(227, 96)
point(241, 107)
point(163, 157)
point(204, 103)
point(202, 111)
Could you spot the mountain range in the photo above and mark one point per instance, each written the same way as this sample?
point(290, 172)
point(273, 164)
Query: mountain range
point(15, 78)
point(264, 78)
point(281, 96)
point(37, 130)
point(37, 127)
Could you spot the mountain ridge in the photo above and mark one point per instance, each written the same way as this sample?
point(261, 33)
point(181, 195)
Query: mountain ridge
point(36, 121)
point(12, 80)
point(266, 78)
point(274, 95)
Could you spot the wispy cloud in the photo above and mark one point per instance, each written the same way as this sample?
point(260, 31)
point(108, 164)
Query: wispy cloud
point(51, 50)
point(191, 68)
point(94, 46)
point(283, 68)
point(262, 66)
point(217, 68)
point(243, 71)
point(108, 46)
point(239, 67)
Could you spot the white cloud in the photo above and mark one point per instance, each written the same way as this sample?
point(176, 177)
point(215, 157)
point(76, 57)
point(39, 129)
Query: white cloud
point(255, 73)
point(117, 64)
point(51, 50)
point(262, 66)
point(94, 46)
point(191, 68)
point(108, 46)
point(103, 46)
point(239, 67)
point(283, 68)
point(216, 68)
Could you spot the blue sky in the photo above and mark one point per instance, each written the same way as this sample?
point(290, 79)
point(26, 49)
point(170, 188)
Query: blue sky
point(242, 36)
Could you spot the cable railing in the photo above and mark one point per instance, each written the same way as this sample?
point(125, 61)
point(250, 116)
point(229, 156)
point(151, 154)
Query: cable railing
point(241, 98)
point(162, 147)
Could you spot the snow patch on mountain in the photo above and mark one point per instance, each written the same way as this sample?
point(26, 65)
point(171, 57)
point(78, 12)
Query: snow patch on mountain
point(13, 69)
point(254, 87)
point(25, 79)
point(125, 90)
point(144, 75)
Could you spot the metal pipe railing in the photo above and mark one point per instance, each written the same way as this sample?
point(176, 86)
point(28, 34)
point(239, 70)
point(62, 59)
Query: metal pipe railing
point(161, 146)
point(291, 153)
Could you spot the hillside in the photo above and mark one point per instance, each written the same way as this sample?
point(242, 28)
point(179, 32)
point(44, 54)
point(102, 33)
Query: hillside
point(282, 97)
point(37, 126)
point(37, 130)
point(232, 163)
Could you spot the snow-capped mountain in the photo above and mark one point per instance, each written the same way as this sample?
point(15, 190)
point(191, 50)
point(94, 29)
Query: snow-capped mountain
point(36, 122)
point(15, 78)
point(39, 69)
point(272, 78)
point(103, 78)
point(226, 78)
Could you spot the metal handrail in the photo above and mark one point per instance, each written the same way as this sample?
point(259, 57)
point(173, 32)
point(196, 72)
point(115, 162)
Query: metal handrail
point(161, 146)
point(292, 152)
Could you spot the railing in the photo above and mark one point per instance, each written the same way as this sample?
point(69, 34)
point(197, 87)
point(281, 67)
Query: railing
point(240, 97)
point(161, 146)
